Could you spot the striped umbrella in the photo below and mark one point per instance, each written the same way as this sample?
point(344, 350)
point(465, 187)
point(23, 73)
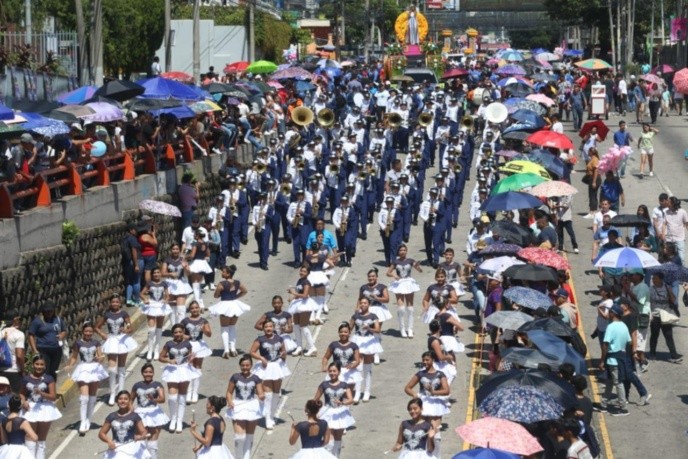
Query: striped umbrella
point(593, 64)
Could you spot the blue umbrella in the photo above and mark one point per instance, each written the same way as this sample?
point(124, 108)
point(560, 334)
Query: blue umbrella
point(162, 88)
point(500, 248)
point(556, 348)
point(44, 126)
point(626, 258)
point(304, 86)
point(6, 113)
point(512, 56)
point(537, 51)
point(526, 404)
point(573, 52)
point(485, 453)
point(511, 69)
point(528, 297)
point(546, 381)
point(509, 201)
point(672, 272)
point(519, 127)
point(528, 117)
point(180, 112)
point(519, 89)
point(547, 160)
point(78, 95)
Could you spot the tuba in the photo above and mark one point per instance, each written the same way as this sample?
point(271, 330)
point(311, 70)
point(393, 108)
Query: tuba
point(425, 119)
point(466, 123)
point(325, 117)
point(300, 164)
point(362, 175)
point(458, 168)
point(303, 116)
point(334, 168)
point(286, 189)
point(393, 120)
point(261, 167)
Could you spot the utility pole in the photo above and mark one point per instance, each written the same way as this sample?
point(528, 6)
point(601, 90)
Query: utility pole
point(97, 44)
point(28, 26)
point(168, 36)
point(652, 33)
point(252, 31)
point(197, 41)
point(81, 37)
point(611, 35)
point(368, 31)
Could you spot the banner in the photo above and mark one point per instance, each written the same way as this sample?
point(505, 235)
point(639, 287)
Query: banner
point(678, 29)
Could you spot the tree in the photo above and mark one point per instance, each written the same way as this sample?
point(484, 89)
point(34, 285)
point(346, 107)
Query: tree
point(538, 38)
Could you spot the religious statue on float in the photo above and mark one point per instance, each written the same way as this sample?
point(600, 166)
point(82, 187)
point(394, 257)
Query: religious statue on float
point(411, 27)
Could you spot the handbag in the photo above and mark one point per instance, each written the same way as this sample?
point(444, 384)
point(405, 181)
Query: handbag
point(667, 318)
point(643, 320)
point(587, 179)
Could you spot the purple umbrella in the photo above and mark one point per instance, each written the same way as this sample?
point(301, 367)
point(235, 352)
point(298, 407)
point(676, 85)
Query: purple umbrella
point(507, 153)
point(292, 72)
point(510, 69)
point(104, 112)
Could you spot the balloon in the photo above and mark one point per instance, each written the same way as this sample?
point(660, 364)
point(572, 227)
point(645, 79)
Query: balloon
point(99, 149)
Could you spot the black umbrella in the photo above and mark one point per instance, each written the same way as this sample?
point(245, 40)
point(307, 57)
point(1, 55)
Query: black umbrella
point(624, 220)
point(531, 273)
point(143, 105)
point(120, 90)
point(549, 324)
point(42, 107)
point(216, 88)
point(516, 135)
point(513, 233)
point(548, 382)
point(102, 99)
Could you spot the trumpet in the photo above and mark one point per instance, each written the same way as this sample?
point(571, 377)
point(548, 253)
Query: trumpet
point(300, 164)
point(458, 168)
point(389, 223)
point(334, 168)
point(362, 175)
point(297, 216)
point(425, 119)
point(467, 123)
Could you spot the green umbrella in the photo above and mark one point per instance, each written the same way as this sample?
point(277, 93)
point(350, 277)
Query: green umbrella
point(517, 182)
point(262, 67)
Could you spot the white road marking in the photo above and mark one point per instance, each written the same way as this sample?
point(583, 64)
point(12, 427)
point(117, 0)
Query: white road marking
point(344, 274)
point(280, 407)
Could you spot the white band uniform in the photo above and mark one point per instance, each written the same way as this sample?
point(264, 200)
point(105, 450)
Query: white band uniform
point(404, 286)
point(119, 344)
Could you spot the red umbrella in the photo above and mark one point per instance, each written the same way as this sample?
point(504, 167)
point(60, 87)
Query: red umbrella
point(235, 67)
point(602, 129)
point(550, 139)
point(681, 81)
point(178, 76)
point(544, 257)
point(454, 73)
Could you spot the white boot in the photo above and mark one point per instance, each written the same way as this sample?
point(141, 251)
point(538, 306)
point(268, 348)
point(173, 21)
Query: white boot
point(367, 380)
point(121, 378)
point(158, 342)
point(239, 441)
point(409, 321)
point(151, 343)
point(232, 340)
point(173, 404)
point(276, 397)
point(89, 414)
point(312, 351)
point(267, 411)
point(40, 450)
point(197, 291)
point(179, 314)
point(112, 373)
point(248, 445)
point(438, 445)
point(152, 447)
point(298, 339)
point(401, 316)
point(83, 411)
point(224, 332)
point(337, 448)
point(193, 387)
point(31, 445)
point(181, 409)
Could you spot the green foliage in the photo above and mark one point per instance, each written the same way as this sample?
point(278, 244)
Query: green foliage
point(301, 36)
point(528, 39)
point(69, 233)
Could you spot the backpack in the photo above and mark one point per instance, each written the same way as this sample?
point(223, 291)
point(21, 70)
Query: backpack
point(5, 354)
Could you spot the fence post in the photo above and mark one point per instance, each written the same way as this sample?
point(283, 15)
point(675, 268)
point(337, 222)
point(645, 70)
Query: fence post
point(6, 204)
point(43, 192)
point(129, 170)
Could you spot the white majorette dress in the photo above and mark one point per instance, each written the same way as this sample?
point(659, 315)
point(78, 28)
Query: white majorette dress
point(40, 410)
point(438, 294)
point(318, 277)
point(280, 321)
point(406, 284)
point(228, 305)
point(415, 437)
point(312, 447)
point(247, 406)
point(118, 342)
point(433, 405)
point(151, 413)
point(445, 366)
point(181, 370)
point(123, 431)
point(450, 343)
point(217, 448)
point(199, 263)
point(156, 306)
point(344, 354)
point(452, 270)
point(367, 341)
point(269, 349)
point(302, 304)
point(177, 285)
point(15, 448)
point(89, 369)
point(194, 329)
point(377, 308)
point(338, 416)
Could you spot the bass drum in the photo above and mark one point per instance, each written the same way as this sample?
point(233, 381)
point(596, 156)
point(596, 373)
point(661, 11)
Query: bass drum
point(358, 99)
point(478, 94)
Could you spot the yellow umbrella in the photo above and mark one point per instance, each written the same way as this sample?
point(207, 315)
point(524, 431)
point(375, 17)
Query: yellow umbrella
point(521, 166)
point(205, 106)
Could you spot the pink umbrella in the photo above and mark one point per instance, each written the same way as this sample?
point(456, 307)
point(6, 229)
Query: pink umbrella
point(275, 84)
point(541, 99)
point(543, 64)
point(681, 81)
point(652, 78)
point(663, 68)
point(500, 434)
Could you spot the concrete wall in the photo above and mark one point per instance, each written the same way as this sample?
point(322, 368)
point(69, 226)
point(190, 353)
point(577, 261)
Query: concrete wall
point(220, 45)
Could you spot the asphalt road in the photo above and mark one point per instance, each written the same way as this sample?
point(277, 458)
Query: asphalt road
point(659, 426)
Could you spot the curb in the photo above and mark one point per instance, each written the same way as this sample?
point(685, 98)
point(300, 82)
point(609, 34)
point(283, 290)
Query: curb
point(69, 389)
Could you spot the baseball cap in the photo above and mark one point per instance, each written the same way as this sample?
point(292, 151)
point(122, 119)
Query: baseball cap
point(26, 138)
point(562, 293)
point(616, 309)
point(77, 127)
point(4, 381)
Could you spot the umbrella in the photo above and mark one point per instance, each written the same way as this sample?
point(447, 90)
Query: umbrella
point(602, 129)
point(520, 166)
point(347, 63)
point(104, 113)
point(510, 200)
point(178, 76)
point(681, 80)
point(485, 453)
point(541, 99)
point(544, 257)
point(163, 88)
point(78, 95)
point(516, 135)
point(275, 84)
point(507, 153)
point(512, 232)
point(528, 297)
point(510, 69)
point(573, 52)
point(629, 220)
point(530, 358)
point(511, 55)
point(322, 63)
point(205, 106)
point(11, 128)
point(508, 320)
point(519, 90)
point(525, 404)
point(529, 118)
point(292, 72)
point(235, 67)
point(159, 207)
point(551, 139)
point(71, 113)
point(627, 258)
point(547, 56)
point(508, 81)
point(216, 88)
point(555, 347)
point(6, 113)
point(545, 381)
point(144, 105)
point(454, 73)
point(120, 90)
point(652, 78)
point(262, 67)
point(44, 126)
point(303, 86)
point(499, 264)
point(551, 325)
point(181, 112)
point(501, 434)
point(532, 273)
point(551, 162)
point(540, 76)
point(552, 189)
point(672, 272)
point(517, 182)
point(38, 106)
point(500, 248)
point(593, 64)
point(663, 69)
point(517, 103)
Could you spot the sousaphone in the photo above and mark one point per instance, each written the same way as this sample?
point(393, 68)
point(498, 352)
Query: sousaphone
point(303, 116)
point(496, 113)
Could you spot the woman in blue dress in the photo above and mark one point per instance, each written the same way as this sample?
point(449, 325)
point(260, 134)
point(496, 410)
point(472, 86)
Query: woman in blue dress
point(229, 308)
point(314, 434)
point(244, 397)
point(338, 397)
point(403, 287)
point(15, 432)
point(128, 431)
point(211, 445)
point(195, 327)
point(149, 395)
point(416, 438)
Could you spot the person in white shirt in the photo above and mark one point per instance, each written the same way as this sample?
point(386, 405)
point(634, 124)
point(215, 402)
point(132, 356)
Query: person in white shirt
point(189, 234)
point(16, 341)
point(557, 126)
point(605, 209)
point(381, 98)
point(658, 215)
